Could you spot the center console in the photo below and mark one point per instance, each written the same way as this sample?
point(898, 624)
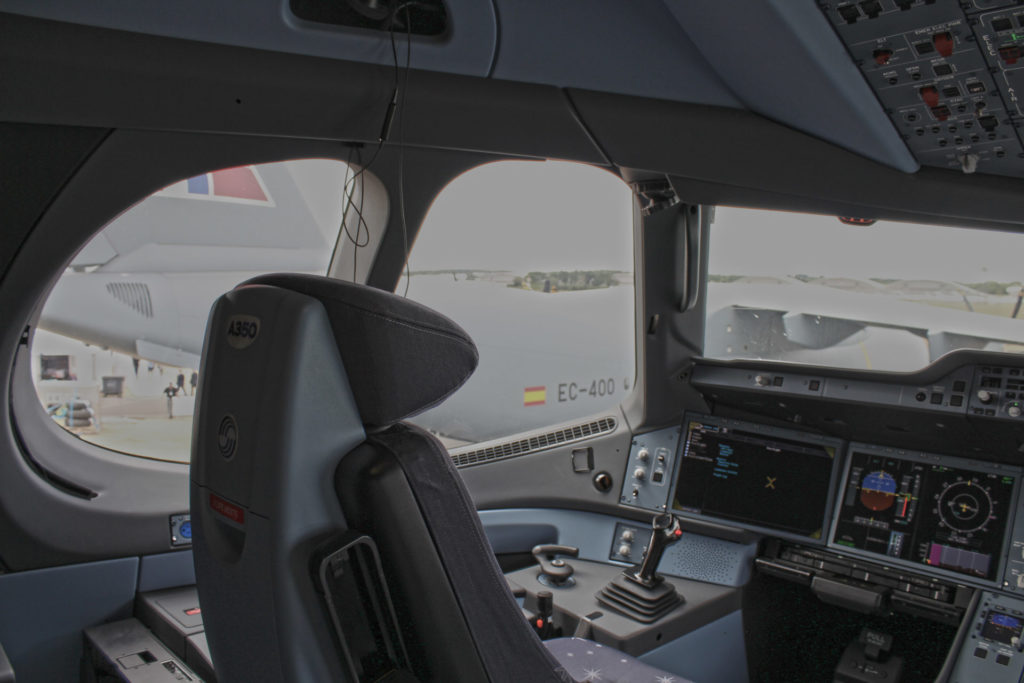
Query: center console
point(577, 611)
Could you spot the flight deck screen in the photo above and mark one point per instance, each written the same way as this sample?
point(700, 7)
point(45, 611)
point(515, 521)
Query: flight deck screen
point(925, 512)
point(773, 479)
point(1001, 627)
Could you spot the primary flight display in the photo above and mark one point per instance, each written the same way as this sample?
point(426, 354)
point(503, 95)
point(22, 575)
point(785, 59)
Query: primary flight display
point(925, 512)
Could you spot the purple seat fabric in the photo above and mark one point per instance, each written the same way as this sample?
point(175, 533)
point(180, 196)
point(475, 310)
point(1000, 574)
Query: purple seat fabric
point(585, 661)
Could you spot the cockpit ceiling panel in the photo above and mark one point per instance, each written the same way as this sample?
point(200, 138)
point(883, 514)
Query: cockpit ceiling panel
point(628, 48)
point(946, 73)
point(466, 49)
point(782, 60)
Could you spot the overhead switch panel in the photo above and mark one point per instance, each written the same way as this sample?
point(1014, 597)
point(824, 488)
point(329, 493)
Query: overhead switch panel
point(947, 73)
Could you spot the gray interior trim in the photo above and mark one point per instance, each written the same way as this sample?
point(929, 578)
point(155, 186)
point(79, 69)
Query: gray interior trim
point(56, 154)
point(166, 570)
point(44, 612)
point(686, 142)
point(795, 70)
point(122, 80)
point(270, 24)
point(515, 482)
point(591, 44)
point(670, 336)
point(714, 653)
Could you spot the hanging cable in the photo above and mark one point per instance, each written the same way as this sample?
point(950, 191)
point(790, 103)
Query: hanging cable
point(401, 143)
point(396, 105)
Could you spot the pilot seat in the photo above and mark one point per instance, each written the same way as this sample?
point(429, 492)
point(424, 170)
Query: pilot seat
point(332, 541)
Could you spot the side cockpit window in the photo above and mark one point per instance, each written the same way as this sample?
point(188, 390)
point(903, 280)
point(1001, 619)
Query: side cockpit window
point(115, 356)
point(855, 293)
point(535, 261)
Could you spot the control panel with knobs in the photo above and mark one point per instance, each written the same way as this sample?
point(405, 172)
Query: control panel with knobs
point(629, 543)
point(649, 470)
point(998, 393)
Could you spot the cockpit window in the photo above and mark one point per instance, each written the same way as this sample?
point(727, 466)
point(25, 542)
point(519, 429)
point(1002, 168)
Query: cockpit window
point(535, 261)
point(115, 357)
point(885, 296)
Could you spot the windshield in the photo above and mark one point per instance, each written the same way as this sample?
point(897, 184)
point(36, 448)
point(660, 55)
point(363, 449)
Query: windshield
point(886, 296)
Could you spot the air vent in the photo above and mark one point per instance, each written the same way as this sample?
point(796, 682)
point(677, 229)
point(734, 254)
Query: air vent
point(133, 294)
point(512, 449)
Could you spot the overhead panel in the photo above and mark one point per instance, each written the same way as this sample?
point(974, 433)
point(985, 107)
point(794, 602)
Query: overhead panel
point(945, 71)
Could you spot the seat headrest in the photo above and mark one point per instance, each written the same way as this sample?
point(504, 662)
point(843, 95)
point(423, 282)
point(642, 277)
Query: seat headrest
point(400, 356)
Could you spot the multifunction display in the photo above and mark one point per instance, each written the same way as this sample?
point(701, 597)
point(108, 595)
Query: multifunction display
point(1001, 627)
point(764, 477)
point(925, 512)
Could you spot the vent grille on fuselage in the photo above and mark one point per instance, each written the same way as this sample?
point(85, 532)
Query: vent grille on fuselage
point(512, 449)
point(133, 294)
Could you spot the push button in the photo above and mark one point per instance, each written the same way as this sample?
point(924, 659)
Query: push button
point(980, 652)
point(1003, 659)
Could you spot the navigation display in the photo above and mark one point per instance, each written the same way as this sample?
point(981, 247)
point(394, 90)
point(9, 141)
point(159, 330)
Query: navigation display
point(925, 512)
point(761, 476)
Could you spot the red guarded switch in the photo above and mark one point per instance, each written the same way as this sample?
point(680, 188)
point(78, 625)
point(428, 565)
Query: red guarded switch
point(882, 56)
point(943, 43)
point(930, 95)
point(1010, 53)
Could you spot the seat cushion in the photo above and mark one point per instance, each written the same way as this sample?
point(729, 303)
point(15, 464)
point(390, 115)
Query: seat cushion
point(585, 660)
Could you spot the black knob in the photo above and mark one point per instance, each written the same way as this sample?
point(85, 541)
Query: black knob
point(545, 604)
point(553, 569)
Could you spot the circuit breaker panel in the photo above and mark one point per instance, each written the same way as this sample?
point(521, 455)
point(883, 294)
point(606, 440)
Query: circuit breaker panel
point(947, 73)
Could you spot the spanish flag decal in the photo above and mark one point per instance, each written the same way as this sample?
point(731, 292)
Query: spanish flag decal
point(535, 396)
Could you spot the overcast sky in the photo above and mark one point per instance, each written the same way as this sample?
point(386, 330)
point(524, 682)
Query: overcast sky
point(745, 241)
point(529, 215)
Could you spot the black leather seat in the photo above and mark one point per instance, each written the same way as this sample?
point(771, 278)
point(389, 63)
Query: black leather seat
point(298, 438)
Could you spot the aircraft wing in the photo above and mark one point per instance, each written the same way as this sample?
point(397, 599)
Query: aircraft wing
point(812, 316)
point(165, 355)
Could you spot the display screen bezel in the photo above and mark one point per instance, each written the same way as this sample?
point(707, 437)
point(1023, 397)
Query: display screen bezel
point(779, 432)
point(950, 461)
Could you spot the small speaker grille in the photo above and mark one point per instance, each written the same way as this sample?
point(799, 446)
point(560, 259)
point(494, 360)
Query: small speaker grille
point(512, 449)
point(702, 558)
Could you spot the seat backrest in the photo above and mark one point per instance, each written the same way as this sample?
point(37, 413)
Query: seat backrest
point(297, 370)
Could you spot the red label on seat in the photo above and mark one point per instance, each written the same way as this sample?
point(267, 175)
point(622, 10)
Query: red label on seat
point(226, 509)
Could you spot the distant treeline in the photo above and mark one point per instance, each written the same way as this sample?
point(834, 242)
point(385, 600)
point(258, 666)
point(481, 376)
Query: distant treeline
point(992, 287)
point(456, 271)
point(989, 287)
point(565, 280)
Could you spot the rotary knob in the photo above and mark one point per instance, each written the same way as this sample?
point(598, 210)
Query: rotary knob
point(628, 536)
point(985, 396)
point(643, 454)
point(1013, 410)
point(639, 473)
point(624, 550)
point(761, 381)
